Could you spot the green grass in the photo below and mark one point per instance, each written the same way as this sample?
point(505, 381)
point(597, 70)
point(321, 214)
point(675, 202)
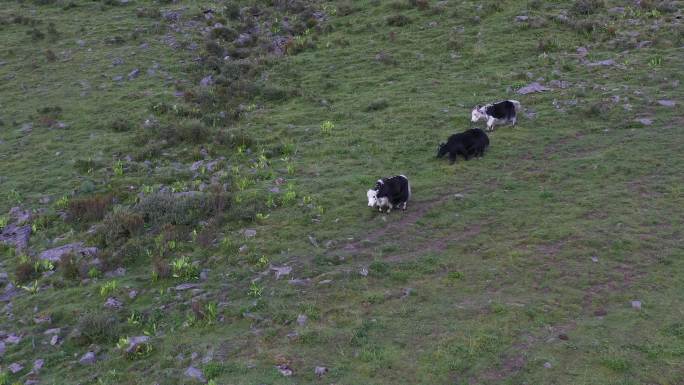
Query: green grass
point(474, 283)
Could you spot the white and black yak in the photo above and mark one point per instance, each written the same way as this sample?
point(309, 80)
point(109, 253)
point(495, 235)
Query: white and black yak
point(390, 193)
point(496, 113)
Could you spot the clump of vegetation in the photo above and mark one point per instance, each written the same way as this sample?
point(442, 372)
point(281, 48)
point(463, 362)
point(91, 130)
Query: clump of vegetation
point(89, 209)
point(25, 270)
point(398, 20)
point(377, 105)
point(183, 269)
point(121, 224)
point(121, 125)
point(587, 7)
point(178, 209)
point(96, 327)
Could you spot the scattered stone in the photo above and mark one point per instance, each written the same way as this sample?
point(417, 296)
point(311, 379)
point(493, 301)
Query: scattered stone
point(320, 370)
point(547, 365)
point(636, 305)
point(532, 88)
point(250, 233)
point(118, 272)
point(134, 342)
point(602, 63)
point(113, 303)
point(88, 359)
point(666, 103)
point(645, 121)
point(313, 241)
point(559, 84)
point(195, 374)
point(17, 236)
point(54, 340)
point(38, 364)
point(133, 74)
point(521, 18)
point(364, 271)
point(117, 78)
point(281, 271)
point(243, 249)
point(405, 292)
point(56, 253)
point(301, 319)
point(15, 367)
point(9, 293)
point(204, 274)
point(132, 294)
point(644, 44)
point(594, 259)
point(42, 319)
point(186, 286)
point(299, 282)
point(616, 10)
point(52, 331)
point(13, 339)
point(285, 370)
point(207, 81)
point(325, 282)
point(117, 61)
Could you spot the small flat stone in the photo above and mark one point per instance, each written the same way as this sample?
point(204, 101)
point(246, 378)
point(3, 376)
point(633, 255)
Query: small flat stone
point(250, 233)
point(13, 339)
point(54, 340)
point(88, 359)
point(636, 305)
point(52, 331)
point(281, 271)
point(38, 364)
point(521, 18)
point(113, 303)
point(547, 365)
point(285, 370)
point(532, 88)
point(134, 342)
point(132, 294)
point(195, 374)
point(186, 286)
point(602, 63)
point(666, 103)
point(15, 367)
point(645, 121)
point(302, 319)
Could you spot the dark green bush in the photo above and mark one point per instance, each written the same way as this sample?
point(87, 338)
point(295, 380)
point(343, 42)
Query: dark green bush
point(96, 327)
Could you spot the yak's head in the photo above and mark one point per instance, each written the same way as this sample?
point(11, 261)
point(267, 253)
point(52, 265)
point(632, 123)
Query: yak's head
point(372, 198)
point(441, 150)
point(478, 113)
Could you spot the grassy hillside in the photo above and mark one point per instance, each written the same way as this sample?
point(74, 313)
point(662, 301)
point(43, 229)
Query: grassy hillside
point(208, 161)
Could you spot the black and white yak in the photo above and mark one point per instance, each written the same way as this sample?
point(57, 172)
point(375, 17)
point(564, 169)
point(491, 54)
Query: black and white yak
point(390, 193)
point(496, 113)
point(469, 143)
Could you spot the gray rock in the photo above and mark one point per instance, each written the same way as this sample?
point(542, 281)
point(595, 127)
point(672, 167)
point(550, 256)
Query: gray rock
point(320, 370)
point(9, 293)
point(134, 342)
point(13, 339)
point(250, 233)
point(204, 275)
point(602, 63)
point(195, 374)
point(616, 10)
point(645, 121)
point(364, 271)
point(636, 305)
point(301, 319)
point(285, 370)
point(54, 340)
point(38, 364)
point(299, 282)
point(644, 44)
point(666, 103)
point(17, 236)
point(88, 359)
point(559, 84)
point(521, 18)
point(117, 78)
point(547, 365)
point(532, 88)
point(186, 286)
point(52, 331)
point(117, 61)
point(207, 81)
point(133, 74)
point(15, 367)
point(132, 294)
point(118, 272)
point(55, 254)
point(113, 303)
point(281, 271)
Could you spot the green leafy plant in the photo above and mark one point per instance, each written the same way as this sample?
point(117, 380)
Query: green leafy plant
point(184, 269)
point(4, 221)
point(118, 168)
point(33, 288)
point(255, 290)
point(108, 287)
point(327, 127)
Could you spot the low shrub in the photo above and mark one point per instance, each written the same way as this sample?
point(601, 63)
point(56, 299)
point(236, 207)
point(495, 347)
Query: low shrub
point(587, 7)
point(89, 209)
point(121, 125)
point(96, 327)
point(377, 105)
point(398, 20)
point(178, 209)
point(25, 271)
point(122, 224)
